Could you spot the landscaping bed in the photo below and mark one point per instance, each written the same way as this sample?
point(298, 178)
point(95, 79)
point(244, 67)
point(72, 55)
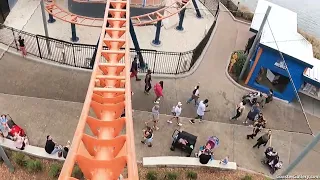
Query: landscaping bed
point(30, 168)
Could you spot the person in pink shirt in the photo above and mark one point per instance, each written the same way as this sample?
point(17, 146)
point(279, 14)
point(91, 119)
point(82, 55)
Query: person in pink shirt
point(158, 88)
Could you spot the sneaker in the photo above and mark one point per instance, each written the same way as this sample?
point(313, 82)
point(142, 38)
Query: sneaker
point(245, 122)
point(150, 145)
point(200, 121)
point(169, 121)
point(191, 121)
point(142, 142)
point(179, 124)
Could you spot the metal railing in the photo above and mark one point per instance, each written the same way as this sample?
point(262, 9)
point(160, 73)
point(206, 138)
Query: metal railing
point(80, 55)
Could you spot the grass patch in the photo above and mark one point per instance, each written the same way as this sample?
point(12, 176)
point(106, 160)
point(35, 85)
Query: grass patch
point(192, 175)
point(55, 170)
point(33, 165)
point(171, 176)
point(152, 175)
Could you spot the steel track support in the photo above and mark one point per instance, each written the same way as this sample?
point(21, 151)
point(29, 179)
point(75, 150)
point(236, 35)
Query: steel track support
point(136, 45)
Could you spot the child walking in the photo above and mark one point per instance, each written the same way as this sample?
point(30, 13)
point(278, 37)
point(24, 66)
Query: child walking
point(155, 116)
point(147, 136)
point(22, 46)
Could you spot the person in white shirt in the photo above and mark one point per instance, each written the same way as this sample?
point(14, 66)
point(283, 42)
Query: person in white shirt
point(200, 111)
point(155, 116)
point(239, 109)
point(176, 111)
point(194, 96)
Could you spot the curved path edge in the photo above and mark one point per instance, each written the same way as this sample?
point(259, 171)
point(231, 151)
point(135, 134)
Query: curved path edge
point(239, 85)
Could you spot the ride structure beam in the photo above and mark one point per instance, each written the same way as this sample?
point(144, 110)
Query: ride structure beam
point(136, 45)
point(150, 18)
point(109, 151)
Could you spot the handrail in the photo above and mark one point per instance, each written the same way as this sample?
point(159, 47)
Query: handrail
point(58, 12)
point(105, 155)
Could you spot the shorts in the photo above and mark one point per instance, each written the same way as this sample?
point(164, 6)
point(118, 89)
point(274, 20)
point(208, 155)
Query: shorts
point(155, 117)
point(149, 140)
point(199, 117)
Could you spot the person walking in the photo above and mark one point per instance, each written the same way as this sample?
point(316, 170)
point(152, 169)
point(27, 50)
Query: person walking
point(147, 82)
point(263, 139)
point(147, 136)
point(158, 90)
point(257, 127)
point(239, 110)
point(253, 113)
point(155, 116)
point(22, 46)
point(194, 96)
point(200, 111)
point(268, 98)
point(176, 111)
point(134, 69)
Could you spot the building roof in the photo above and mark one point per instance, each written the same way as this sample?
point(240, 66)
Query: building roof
point(313, 73)
point(280, 31)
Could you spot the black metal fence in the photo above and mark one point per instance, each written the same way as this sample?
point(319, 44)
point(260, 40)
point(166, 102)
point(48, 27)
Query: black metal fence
point(80, 55)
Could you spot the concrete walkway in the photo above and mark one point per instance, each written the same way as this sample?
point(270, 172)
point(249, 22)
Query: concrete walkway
point(40, 117)
point(50, 82)
point(59, 118)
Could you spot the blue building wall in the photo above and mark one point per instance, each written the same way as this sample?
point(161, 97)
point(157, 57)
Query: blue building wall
point(267, 60)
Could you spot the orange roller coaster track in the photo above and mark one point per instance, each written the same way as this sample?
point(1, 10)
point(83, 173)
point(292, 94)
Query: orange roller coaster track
point(149, 18)
point(106, 154)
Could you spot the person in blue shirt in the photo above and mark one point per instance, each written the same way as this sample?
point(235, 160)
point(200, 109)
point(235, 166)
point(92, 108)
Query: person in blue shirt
point(253, 113)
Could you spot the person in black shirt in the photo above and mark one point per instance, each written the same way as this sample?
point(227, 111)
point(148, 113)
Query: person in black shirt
point(22, 46)
point(51, 147)
point(205, 156)
point(134, 69)
point(257, 128)
point(147, 82)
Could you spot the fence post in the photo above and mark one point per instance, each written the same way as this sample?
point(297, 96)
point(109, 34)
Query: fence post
point(38, 46)
point(74, 56)
point(178, 63)
point(14, 39)
point(154, 62)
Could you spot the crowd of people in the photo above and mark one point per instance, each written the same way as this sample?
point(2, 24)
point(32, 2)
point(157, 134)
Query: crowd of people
point(254, 118)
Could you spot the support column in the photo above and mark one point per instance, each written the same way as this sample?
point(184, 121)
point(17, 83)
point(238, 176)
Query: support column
point(196, 8)
point(51, 19)
point(74, 37)
point(156, 41)
point(6, 159)
point(136, 45)
point(45, 26)
point(181, 17)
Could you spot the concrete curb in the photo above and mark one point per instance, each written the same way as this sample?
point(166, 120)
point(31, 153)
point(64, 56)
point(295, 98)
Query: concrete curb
point(242, 87)
point(235, 19)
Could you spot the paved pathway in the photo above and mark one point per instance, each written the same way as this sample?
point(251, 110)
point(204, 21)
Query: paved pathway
point(40, 117)
point(41, 80)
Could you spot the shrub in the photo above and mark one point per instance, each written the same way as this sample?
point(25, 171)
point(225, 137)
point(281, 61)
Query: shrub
point(247, 16)
point(34, 165)
point(238, 65)
point(171, 176)
point(239, 14)
point(192, 175)
point(77, 173)
point(55, 170)
point(247, 177)
point(151, 175)
point(19, 158)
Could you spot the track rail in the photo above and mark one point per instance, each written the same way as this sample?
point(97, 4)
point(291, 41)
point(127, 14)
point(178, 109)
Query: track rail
point(149, 18)
point(132, 2)
point(107, 153)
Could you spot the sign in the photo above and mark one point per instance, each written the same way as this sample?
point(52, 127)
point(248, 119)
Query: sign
point(280, 64)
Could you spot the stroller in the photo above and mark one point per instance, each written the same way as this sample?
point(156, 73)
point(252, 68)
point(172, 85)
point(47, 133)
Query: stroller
point(252, 97)
point(184, 141)
point(15, 129)
point(207, 149)
point(272, 160)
